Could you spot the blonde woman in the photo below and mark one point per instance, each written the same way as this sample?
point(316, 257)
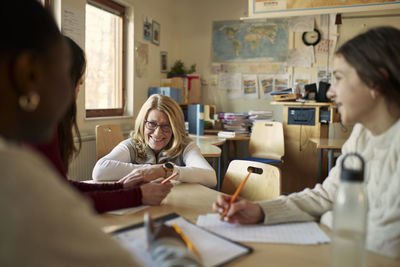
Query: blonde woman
point(158, 147)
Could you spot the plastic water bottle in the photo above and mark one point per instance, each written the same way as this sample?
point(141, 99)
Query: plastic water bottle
point(349, 215)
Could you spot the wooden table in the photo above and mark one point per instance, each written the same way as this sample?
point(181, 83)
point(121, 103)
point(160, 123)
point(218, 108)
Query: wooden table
point(329, 144)
point(191, 200)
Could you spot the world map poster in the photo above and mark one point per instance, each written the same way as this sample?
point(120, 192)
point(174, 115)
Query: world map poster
point(258, 41)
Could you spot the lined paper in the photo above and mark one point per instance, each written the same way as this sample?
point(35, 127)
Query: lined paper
point(214, 250)
point(304, 233)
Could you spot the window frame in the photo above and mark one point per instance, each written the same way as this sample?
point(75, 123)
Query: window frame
point(119, 10)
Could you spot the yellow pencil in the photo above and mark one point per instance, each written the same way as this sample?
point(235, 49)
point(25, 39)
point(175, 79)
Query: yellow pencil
point(186, 239)
point(236, 194)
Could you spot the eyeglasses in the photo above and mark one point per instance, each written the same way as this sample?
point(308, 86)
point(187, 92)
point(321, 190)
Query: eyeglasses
point(151, 125)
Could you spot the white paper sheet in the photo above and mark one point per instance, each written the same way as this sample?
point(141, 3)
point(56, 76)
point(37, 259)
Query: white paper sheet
point(301, 24)
point(305, 233)
point(250, 86)
point(231, 81)
point(73, 24)
point(301, 57)
point(213, 249)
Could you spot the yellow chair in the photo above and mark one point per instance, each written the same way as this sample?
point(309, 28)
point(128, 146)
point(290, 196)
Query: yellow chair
point(267, 142)
point(258, 186)
point(107, 137)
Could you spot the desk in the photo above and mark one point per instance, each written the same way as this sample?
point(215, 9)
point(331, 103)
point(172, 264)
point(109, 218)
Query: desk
point(329, 144)
point(200, 201)
point(299, 170)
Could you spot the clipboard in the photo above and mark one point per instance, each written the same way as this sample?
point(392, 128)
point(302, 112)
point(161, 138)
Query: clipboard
point(214, 249)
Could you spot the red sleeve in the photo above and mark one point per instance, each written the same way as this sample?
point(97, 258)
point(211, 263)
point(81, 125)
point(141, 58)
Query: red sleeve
point(88, 187)
point(106, 197)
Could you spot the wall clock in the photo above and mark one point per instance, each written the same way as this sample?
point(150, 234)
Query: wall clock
point(311, 37)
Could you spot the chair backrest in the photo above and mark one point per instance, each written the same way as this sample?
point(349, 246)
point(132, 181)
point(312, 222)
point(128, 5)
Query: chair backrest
point(107, 137)
point(267, 140)
point(258, 186)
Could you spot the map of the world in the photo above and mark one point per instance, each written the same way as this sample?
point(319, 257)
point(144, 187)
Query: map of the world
point(250, 41)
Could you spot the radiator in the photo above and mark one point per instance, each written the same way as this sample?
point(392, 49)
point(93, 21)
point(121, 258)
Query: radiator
point(82, 165)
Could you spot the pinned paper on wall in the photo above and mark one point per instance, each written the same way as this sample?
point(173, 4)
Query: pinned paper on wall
point(301, 24)
point(325, 47)
point(235, 93)
point(250, 86)
point(281, 82)
point(230, 81)
point(266, 84)
point(141, 60)
point(301, 57)
point(300, 80)
point(327, 23)
point(324, 75)
point(73, 22)
point(249, 67)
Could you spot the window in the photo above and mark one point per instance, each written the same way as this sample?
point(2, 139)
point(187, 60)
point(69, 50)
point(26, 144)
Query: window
point(45, 3)
point(104, 47)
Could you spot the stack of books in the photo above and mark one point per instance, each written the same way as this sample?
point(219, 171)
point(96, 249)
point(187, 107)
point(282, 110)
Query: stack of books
point(236, 122)
point(255, 116)
point(264, 115)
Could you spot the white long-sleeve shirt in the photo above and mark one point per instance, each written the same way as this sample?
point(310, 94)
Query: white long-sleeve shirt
point(382, 181)
point(118, 163)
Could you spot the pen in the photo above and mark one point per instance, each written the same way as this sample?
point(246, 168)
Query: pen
point(169, 178)
point(186, 239)
point(236, 194)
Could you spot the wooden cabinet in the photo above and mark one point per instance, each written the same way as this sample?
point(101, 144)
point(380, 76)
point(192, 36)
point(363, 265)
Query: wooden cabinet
point(300, 166)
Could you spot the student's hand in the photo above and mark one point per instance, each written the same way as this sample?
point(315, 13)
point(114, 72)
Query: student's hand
point(154, 232)
point(142, 175)
point(154, 193)
point(241, 211)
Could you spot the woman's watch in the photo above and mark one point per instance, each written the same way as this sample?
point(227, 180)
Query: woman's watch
point(168, 168)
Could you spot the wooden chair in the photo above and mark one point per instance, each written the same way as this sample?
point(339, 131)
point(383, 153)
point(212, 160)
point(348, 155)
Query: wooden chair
point(267, 142)
point(258, 186)
point(107, 137)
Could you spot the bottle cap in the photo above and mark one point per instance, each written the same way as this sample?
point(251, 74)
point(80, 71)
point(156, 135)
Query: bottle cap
point(356, 172)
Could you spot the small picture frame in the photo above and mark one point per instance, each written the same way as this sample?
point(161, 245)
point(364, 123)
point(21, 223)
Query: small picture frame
point(156, 32)
point(147, 31)
point(164, 61)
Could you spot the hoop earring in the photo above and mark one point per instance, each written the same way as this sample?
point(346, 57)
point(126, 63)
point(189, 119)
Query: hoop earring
point(29, 102)
point(373, 94)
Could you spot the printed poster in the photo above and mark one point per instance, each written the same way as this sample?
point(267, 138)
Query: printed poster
point(250, 86)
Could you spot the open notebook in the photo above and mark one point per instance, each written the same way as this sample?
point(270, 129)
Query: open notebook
point(214, 250)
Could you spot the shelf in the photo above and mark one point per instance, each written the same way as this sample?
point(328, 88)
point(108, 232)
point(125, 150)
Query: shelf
point(307, 104)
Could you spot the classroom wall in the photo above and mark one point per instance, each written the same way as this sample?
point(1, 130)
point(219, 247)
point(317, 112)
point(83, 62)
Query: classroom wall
point(186, 35)
point(194, 41)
